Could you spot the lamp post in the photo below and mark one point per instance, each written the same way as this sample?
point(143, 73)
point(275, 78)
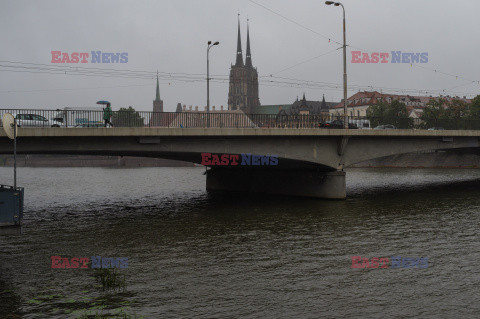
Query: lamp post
point(210, 45)
point(345, 118)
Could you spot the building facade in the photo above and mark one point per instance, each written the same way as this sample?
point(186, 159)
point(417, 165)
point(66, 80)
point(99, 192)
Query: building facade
point(243, 85)
point(358, 104)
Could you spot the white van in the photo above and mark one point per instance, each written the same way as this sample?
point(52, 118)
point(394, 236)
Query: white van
point(361, 123)
point(85, 117)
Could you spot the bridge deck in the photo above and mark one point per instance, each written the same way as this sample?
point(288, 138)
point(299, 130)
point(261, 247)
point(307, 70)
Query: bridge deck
point(225, 132)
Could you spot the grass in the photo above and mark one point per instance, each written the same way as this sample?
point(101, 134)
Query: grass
point(109, 278)
point(122, 314)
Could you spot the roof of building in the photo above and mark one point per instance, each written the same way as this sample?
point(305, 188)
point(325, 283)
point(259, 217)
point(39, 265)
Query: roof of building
point(366, 98)
point(157, 95)
point(271, 109)
point(316, 106)
point(295, 107)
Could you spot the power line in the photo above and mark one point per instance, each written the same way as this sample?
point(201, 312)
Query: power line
point(294, 22)
point(303, 62)
point(72, 89)
point(366, 51)
point(165, 77)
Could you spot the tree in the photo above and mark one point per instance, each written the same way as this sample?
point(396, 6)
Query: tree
point(442, 113)
point(375, 113)
point(474, 111)
point(434, 112)
point(457, 109)
point(127, 118)
point(394, 113)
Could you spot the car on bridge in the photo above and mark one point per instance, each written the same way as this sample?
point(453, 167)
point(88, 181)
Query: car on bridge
point(35, 120)
point(86, 117)
point(336, 124)
point(386, 127)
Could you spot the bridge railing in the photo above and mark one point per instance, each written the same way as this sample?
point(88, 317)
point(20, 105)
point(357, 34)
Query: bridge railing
point(221, 119)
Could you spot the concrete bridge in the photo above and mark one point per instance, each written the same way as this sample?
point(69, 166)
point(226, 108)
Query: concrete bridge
point(310, 161)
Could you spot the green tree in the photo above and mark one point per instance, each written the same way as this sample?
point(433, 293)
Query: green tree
point(127, 118)
point(457, 109)
point(435, 113)
point(394, 113)
point(375, 113)
point(474, 110)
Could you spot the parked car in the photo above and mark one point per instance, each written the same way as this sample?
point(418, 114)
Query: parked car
point(336, 124)
point(436, 129)
point(35, 120)
point(386, 127)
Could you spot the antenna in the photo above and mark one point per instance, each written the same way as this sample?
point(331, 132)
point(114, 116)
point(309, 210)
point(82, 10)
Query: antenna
point(10, 128)
point(8, 125)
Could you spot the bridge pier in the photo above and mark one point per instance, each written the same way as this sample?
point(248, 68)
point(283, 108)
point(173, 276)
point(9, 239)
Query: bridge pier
point(305, 183)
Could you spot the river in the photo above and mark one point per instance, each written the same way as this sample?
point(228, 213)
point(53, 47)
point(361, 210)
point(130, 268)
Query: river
point(196, 254)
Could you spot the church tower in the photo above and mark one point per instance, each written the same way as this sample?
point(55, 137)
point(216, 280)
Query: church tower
point(157, 103)
point(243, 87)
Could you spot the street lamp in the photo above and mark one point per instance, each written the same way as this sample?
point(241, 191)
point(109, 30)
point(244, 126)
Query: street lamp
point(345, 119)
point(210, 45)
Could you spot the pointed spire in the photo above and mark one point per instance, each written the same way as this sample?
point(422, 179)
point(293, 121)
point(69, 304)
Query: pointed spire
point(239, 61)
point(157, 98)
point(324, 104)
point(248, 58)
point(304, 101)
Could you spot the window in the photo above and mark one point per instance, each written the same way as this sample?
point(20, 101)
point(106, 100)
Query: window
point(24, 116)
point(38, 118)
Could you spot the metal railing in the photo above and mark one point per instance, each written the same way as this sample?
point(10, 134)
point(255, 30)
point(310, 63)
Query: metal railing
point(226, 119)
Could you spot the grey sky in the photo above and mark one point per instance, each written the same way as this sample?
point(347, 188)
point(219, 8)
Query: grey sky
point(171, 36)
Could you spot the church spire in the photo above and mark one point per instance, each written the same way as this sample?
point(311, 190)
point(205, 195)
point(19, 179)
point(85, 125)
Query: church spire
point(239, 61)
point(248, 58)
point(157, 98)
point(324, 104)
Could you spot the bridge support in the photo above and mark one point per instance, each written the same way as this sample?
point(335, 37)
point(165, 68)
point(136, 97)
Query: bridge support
point(306, 183)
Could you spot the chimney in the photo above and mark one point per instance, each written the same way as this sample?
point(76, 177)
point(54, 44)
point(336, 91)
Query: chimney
point(190, 108)
point(221, 107)
point(213, 108)
point(464, 97)
point(184, 107)
point(196, 108)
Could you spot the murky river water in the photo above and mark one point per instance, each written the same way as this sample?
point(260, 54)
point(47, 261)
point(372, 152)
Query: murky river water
point(193, 254)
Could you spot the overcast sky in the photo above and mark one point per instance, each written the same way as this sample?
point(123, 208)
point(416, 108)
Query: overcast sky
point(171, 36)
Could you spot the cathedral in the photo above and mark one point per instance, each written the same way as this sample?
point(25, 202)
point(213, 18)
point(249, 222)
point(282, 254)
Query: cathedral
point(243, 88)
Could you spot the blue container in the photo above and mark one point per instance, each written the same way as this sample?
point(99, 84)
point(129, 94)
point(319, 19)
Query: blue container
point(11, 205)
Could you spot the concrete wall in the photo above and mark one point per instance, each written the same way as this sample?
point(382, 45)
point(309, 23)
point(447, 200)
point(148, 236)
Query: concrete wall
point(325, 149)
point(439, 159)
